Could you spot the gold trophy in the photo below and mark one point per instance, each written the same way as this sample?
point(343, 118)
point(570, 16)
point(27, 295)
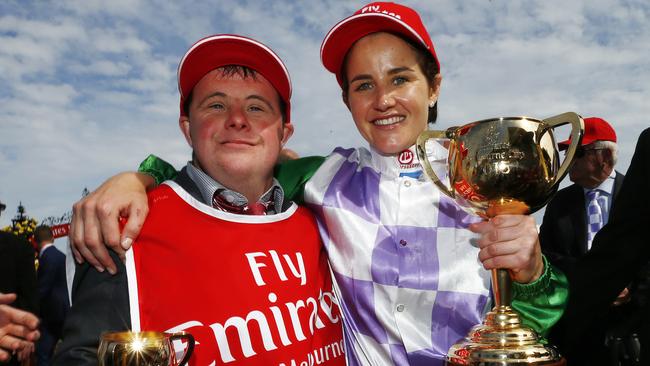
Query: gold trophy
point(143, 349)
point(507, 165)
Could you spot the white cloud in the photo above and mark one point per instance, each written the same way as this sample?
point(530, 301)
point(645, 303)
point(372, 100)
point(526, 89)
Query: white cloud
point(101, 67)
point(88, 87)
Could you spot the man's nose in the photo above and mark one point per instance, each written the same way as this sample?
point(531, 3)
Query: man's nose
point(238, 120)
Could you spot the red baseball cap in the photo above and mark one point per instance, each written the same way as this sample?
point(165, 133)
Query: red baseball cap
point(596, 129)
point(220, 50)
point(372, 18)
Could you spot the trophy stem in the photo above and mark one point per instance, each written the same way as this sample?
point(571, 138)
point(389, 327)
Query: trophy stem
point(502, 288)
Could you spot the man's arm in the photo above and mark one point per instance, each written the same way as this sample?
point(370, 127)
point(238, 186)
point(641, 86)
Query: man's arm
point(96, 218)
point(100, 304)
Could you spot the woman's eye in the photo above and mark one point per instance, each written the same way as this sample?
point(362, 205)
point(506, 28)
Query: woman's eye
point(363, 86)
point(399, 80)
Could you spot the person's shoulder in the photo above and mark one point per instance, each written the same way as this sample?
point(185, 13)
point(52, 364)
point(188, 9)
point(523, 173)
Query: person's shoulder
point(619, 175)
point(644, 142)
point(346, 151)
point(5, 236)
point(53, 252)
point(564, 196)
point(645, 134)
point(14, 241)
point(165, 189)
point(569, 190)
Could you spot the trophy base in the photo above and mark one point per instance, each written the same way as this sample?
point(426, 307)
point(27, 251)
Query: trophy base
point(500, 341)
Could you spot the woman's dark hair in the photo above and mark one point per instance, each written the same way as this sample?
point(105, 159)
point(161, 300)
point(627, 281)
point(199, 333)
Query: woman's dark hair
point(425, 60)
point(244, 72)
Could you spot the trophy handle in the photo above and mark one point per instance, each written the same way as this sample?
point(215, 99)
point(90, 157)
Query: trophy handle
point(577, 130)
point(424, 161)
point(187, 337)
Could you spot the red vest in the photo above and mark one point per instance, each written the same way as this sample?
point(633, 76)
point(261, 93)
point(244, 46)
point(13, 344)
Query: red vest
point(252, 290)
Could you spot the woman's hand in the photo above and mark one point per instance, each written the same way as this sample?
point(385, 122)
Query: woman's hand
point(511, 242)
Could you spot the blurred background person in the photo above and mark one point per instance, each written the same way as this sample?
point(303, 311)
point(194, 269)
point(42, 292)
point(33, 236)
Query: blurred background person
point(576, 213)
point(52, 293)
point(17, 276)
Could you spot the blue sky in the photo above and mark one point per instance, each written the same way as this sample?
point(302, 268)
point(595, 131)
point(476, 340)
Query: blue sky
point(88, 88)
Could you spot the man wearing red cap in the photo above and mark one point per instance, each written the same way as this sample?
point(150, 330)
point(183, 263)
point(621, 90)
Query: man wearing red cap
point(576, 213)
point(221, 255)
point(567, 229)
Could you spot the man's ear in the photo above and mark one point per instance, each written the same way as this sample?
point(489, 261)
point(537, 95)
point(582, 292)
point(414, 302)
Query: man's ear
point(184, 124)
point(287, 132)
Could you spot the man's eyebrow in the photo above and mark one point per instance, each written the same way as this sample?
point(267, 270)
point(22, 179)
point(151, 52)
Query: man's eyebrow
point(252, 96)
point(215, 94)
point(261, 99)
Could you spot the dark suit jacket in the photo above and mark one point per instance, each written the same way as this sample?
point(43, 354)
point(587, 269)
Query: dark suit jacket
point(52, 290)
point(619, 250)
point(563, 234)
point(17, 273)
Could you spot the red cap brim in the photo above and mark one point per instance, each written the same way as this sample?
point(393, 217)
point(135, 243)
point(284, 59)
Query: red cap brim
point(344, 34)
point(221, 50)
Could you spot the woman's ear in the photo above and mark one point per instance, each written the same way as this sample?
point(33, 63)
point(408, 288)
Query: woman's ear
point(434, 89)
point(344, 97)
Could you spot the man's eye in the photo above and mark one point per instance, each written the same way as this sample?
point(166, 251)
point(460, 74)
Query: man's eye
point(255, 108)
point(217, 106)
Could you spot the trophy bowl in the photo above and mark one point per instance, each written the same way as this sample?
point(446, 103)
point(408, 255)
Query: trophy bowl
point(503, 165)
point(507, 165)
point(143, 349)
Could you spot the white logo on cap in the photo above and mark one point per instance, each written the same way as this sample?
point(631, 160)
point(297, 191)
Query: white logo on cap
point(377, 9)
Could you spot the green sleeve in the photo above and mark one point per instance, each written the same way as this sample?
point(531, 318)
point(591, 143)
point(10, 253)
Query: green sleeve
point(293, 174)
point(159, 169)
point(542, 302)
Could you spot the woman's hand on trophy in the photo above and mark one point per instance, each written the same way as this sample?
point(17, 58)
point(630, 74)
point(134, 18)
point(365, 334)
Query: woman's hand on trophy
point(511, 242)
point(96, 219)
point(18, 329)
